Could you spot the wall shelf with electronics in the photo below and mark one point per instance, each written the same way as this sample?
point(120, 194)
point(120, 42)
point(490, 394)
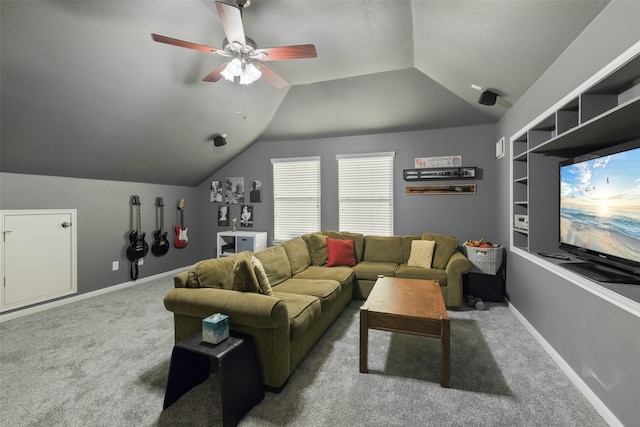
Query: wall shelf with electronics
point(603, 112)
point(440, 173)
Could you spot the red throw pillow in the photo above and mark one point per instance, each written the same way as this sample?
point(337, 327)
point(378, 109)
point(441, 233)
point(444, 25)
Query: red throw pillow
point(340, 252)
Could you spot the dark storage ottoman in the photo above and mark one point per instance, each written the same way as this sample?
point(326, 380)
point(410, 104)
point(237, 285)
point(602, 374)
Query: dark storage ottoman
point(487, 287)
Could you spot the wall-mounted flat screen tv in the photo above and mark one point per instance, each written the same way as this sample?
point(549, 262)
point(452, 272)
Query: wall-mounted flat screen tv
point(600, 215)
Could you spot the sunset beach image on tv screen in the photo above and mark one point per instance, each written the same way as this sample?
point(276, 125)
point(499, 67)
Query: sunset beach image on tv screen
point(600, 204)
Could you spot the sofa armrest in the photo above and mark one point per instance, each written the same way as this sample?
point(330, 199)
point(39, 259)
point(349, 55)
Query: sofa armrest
point(180, 279)
point(243, 308)
point(457, 265)
point(263, 317)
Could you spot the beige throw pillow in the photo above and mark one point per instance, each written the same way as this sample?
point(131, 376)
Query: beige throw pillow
point(421, 253)
point(263, 280)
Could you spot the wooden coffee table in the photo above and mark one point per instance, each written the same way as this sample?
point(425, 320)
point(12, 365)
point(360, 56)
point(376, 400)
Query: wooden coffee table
point(409, 306)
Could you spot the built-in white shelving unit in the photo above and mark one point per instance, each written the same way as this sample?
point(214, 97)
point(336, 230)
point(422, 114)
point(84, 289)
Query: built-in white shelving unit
point(602, 113)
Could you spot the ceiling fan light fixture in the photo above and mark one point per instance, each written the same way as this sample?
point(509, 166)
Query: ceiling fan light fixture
point(232, 70)
point(253, 73)
point(248, 73)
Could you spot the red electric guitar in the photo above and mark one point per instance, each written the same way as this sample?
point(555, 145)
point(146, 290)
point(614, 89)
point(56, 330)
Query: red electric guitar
point(181, 239)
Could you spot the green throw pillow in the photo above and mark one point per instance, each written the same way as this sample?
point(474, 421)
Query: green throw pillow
point(445, 247)
point(298, 254)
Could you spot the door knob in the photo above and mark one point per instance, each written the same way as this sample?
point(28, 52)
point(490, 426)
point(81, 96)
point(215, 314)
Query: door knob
point(66, 224)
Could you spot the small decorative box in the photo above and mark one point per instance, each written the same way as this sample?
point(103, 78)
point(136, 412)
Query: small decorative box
point(215, 328)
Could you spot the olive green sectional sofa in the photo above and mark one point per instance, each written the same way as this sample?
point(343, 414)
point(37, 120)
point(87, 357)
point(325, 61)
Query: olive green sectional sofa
point(286, 296)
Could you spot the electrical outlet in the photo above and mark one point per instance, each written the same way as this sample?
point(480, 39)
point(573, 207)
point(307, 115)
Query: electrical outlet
point(140, 261)
point(115, 265)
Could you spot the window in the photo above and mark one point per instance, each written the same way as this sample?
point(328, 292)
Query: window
point(296, 197)
point(366, 193)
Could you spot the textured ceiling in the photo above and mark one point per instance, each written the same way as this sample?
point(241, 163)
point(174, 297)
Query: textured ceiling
point(86, 93)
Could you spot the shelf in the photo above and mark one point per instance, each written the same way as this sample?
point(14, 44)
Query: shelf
point(468, 172)
point(521, 157)
point(232, 242)
point(610, 128)
point(601, 114)
point(567, 117)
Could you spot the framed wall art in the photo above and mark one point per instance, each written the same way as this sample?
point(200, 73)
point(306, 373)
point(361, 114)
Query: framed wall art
point(223, 215)
point(246, 216)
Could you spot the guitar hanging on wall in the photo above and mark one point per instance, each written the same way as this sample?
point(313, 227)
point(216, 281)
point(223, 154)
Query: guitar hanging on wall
point(138, 248)
point(161, 244)
point(181, 239)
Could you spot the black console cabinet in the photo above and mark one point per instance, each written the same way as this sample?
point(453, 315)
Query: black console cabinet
point(487, 287)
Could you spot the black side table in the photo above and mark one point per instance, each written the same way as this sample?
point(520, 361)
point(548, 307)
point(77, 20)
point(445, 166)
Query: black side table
point(240, 380)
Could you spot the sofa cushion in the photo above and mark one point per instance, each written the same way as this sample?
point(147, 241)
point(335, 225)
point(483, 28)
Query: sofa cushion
point(340, 252)
point(230, 273)
point(410, 272)
point(383, 249)
point(445, 247)
point(318, 248)
point(275, 263)
point(370, 270)
point(325, 290)
point(263, 281)
point(344, 275)
point(298, 254)
point(358, 240)
point(303, 310)
point(421, 253)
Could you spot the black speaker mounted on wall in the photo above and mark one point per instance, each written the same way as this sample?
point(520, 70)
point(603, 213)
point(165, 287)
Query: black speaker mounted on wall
point(220, 140)
point(487, 97)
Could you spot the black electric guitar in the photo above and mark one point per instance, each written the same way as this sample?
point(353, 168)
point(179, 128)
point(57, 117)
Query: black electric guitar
point(138, 248)
point(161, 244)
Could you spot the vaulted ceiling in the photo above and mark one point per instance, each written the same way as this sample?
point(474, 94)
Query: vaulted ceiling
point(87, 93)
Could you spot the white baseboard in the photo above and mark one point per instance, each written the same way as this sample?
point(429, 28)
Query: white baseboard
point(46, 306)
point(602, 409)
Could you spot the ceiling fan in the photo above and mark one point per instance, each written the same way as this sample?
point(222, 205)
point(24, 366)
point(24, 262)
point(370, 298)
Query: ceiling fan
point(246, 61)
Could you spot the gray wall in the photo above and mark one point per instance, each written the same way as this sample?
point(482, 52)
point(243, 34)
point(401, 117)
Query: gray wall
point(105, 219)
point(600, 341)
point(464, 216)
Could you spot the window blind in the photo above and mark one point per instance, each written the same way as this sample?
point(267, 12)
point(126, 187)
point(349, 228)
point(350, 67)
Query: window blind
point(296, 197)
point(366, 193)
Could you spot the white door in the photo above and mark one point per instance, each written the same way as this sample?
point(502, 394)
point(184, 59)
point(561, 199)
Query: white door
point(38, 256)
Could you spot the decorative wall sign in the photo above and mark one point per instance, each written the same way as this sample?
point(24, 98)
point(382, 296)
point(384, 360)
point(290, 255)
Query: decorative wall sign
point(438, 162)
point(441, 189)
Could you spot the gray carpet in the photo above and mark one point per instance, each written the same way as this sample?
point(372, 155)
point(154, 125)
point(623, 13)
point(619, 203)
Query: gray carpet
point(103, 361)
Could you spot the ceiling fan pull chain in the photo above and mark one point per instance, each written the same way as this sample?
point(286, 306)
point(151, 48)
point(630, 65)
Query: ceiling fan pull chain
point(244, 102)
point(237, 80)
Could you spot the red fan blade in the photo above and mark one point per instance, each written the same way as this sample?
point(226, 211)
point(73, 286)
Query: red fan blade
point(231, 18)
point(287, 52)
point(272, 77)
point(182, 43)
point(215, 75)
